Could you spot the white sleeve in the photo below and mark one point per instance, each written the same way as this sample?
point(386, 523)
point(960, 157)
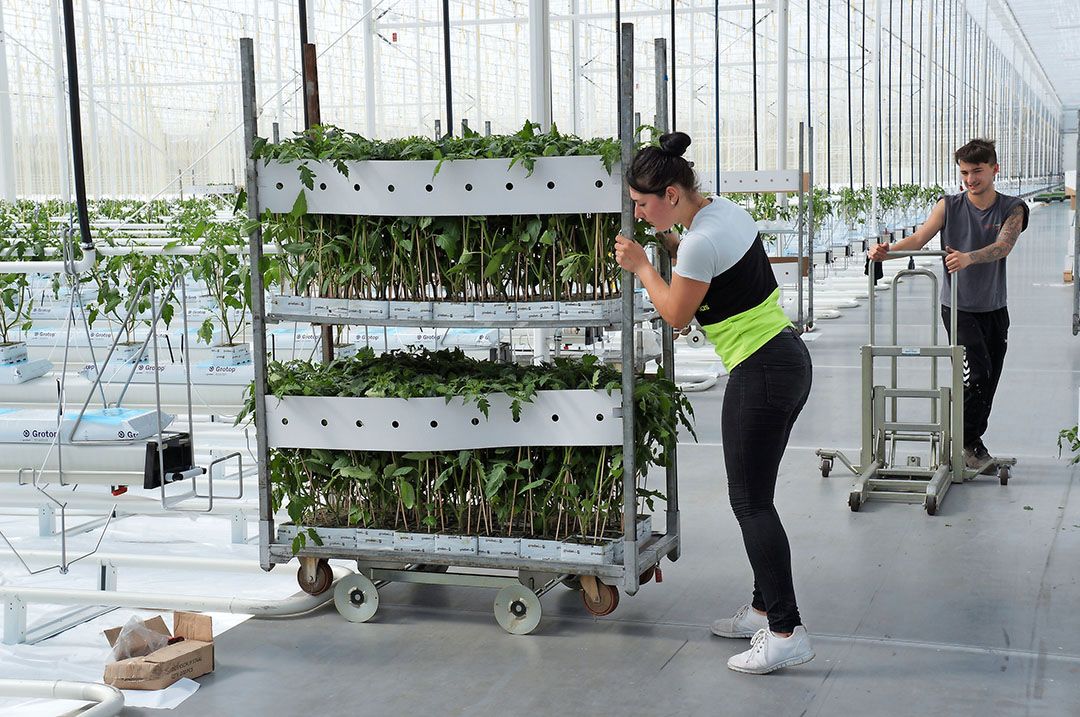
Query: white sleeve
point(697, 258)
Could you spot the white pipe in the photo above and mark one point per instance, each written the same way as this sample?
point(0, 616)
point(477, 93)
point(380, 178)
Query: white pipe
point(109, 699)
point(62, 151)
point(369, 70)
point(50, 267)
point(7, 135)
point(875, 131)
point(92, 108)
point(257, 607)
point(152, 561)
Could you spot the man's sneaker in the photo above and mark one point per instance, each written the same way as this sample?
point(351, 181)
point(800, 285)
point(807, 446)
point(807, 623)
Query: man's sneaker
point(976, 457)
point(744, 623)
point(984, 456)
point(770, 652)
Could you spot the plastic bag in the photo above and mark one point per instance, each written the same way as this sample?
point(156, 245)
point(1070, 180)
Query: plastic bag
point(136, 639)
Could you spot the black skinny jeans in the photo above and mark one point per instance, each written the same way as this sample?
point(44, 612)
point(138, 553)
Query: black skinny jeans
point(764, 396)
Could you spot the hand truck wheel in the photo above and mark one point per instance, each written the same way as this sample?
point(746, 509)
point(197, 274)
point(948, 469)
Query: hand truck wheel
point(854, 502)
point(1004, 474)
point(826, 467)
point(931, 504)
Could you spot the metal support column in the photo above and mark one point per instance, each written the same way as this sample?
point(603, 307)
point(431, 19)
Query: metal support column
point(667, 333)
point(370, 121)
point(781, 89)
point(800, 233)
point(7, 135)
point(258, 300)
point(1076, 234)
point(540, 111)
point(809, 231)
point(626, 137)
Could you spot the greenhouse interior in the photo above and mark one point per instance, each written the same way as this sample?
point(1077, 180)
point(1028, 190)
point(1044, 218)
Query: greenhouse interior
point(563, 271)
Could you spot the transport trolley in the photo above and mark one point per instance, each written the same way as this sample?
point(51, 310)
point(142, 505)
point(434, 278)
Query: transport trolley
point(520, 579)
point(884, 471)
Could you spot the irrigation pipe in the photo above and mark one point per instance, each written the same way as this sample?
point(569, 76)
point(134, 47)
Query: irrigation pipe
point(109, 699)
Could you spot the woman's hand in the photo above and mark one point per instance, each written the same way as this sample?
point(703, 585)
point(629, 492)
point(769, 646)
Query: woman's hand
point(630, 255)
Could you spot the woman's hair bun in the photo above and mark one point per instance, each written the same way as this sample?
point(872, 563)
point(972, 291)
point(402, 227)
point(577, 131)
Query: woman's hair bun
point(675, 143)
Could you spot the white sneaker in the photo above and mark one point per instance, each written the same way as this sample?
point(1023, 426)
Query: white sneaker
point(770, 652)
point(744, 623)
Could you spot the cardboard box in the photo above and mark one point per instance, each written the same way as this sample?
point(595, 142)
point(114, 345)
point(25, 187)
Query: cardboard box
point(192, 657)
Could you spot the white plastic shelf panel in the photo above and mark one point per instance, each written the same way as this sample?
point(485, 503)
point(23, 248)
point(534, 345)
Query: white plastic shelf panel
point(553, 418)
point(558, 185)
point(760, 181)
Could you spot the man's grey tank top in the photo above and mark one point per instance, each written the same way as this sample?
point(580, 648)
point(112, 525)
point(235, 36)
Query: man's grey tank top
point(967, 228)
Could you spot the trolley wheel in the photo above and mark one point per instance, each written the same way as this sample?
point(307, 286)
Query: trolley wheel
point(607, 602)
point(573, 582)
point(1004, 474)
point(826, 467)
point(356, 598)
point(931, 504)
point(648, 575)
point(517, 609)
point(321, 580)
point(854, 502)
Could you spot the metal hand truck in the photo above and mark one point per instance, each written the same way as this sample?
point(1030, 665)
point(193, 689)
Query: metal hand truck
point(878, 474)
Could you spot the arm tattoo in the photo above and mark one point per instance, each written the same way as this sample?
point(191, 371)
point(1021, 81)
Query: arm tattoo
point(1007, 236)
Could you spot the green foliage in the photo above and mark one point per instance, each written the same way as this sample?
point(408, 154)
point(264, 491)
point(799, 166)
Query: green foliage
point(328, 143)
point(536, 491)
point(497, 258)
point(1069, 437)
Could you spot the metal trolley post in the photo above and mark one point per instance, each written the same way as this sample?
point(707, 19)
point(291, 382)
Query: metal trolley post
point(878, 476)
point(517, 606)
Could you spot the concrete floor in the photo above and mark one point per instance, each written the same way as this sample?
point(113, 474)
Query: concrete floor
point(971, 612)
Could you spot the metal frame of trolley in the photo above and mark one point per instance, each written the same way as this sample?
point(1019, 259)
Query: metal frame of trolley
point(517, 606)
point(878, 474)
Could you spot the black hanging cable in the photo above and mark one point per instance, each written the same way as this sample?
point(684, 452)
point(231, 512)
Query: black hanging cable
point(753, 62)
point(303, 65)
point(850, 135)
point(447, 69)
point(85, 239)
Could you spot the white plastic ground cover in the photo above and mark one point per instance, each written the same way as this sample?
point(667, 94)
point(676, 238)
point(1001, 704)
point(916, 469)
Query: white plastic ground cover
point(557, 185)
point(80, 653)
point(29, 425)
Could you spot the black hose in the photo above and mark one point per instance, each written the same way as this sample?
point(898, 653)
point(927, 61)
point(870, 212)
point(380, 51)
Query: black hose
point(87, 242)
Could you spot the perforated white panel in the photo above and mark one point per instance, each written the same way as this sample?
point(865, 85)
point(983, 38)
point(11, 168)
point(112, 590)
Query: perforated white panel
point(558, 185)
point(553, 418)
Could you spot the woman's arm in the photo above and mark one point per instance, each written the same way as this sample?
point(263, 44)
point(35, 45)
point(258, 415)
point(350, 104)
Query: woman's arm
point(677, 302)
